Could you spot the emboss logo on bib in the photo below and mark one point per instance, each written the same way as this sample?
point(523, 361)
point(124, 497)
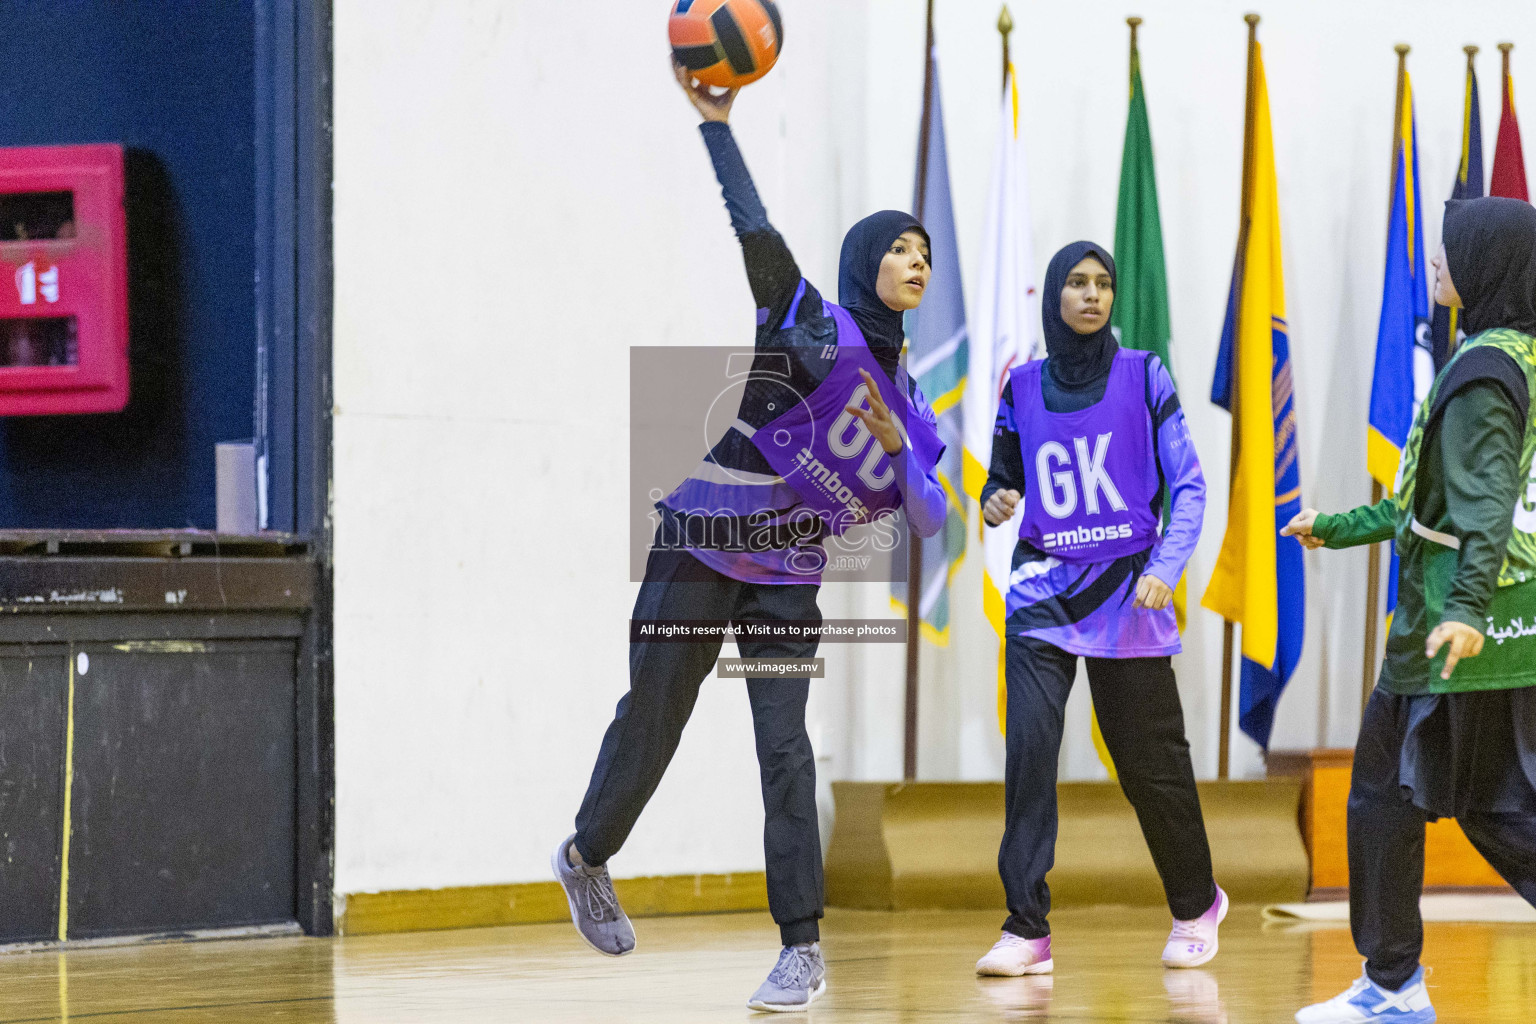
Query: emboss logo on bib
point(830, 483)
point(1087, 535)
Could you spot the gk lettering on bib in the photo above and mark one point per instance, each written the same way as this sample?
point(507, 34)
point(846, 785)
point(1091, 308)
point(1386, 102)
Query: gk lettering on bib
point(1092, 474)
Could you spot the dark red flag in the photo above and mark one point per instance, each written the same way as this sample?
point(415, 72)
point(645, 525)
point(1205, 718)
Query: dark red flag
point(1508, 161)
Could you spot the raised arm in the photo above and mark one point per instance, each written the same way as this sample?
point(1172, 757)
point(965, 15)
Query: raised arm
point(772, 273)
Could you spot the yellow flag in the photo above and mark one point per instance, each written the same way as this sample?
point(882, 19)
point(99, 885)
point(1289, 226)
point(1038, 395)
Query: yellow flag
point(1243, 586)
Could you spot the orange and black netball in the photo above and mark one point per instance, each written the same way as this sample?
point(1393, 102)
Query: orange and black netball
point(726, 43)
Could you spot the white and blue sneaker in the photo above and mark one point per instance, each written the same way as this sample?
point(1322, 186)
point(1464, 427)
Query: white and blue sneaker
point(1367, 1001)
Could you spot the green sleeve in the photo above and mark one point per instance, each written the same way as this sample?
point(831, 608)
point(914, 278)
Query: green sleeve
point(1368, 524)
point(1480, 440)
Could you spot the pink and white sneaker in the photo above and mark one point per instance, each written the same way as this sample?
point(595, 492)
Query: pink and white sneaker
point(1014, 957)
point(1193, 943)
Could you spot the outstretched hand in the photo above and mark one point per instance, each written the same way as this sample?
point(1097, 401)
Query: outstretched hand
point(709, 106)
point(1301, 528)
point(877, 418)
point(1465, 641)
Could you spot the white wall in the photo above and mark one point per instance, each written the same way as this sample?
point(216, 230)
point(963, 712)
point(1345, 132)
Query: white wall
point(510, 219)
point(521, 198)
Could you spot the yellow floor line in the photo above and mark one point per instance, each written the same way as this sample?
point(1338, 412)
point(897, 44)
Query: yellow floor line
point(69, 786)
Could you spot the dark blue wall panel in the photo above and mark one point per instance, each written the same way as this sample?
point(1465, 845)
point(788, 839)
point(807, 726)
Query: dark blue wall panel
point(174, 82)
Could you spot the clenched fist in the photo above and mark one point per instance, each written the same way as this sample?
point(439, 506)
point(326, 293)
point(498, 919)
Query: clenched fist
point(999, 508)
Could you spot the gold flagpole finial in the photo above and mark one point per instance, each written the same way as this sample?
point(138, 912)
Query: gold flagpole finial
point(1252, 20)
point(1135, 23)
point(1470, 50)
point(1402, 49)
point(1504, 48)
point(1005, 27)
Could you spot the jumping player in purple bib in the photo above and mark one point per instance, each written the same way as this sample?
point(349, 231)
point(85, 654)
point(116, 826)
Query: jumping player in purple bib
point(741, 540)
point(1087, 444)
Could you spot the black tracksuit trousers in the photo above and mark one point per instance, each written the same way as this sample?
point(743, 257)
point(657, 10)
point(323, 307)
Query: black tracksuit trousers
point(664, 680)
point(1386, 848)
point(1137, 702)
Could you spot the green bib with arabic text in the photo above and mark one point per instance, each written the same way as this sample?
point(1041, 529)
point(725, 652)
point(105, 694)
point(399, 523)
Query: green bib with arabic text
point(1508, 660)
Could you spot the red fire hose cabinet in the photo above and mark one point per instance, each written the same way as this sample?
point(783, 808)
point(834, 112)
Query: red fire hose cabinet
point(63, 281)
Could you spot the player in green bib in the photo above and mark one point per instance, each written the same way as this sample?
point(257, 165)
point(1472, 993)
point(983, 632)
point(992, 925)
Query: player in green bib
point(1450, 730)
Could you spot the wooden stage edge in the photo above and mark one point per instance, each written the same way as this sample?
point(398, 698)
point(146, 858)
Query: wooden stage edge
point(478, 906)
point(933, 846)
point(1451, 864)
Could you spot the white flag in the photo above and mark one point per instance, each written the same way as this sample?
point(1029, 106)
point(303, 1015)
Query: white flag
point(1004, 335)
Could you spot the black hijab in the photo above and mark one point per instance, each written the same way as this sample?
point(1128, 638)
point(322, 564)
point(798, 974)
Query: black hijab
point(1490, 245)
point(864, 247)
point(1075, 360)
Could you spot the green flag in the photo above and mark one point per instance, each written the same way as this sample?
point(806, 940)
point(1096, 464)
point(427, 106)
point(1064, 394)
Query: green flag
point(1140, 314)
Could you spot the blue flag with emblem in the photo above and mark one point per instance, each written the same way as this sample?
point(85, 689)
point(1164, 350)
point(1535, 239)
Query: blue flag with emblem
point(1405, 362)
point(937, 358)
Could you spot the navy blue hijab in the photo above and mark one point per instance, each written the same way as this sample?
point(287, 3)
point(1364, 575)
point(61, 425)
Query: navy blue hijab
point(864, 247)
point(1075, 360)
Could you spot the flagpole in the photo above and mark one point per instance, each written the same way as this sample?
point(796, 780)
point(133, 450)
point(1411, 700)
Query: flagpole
point(1005, 26)
point(914, 542)
point(1504, 49)
point(1373, 556)
point(1228, 633)
point(1466, 166)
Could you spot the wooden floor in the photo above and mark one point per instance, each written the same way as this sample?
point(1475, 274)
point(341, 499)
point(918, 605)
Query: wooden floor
point(914, 967)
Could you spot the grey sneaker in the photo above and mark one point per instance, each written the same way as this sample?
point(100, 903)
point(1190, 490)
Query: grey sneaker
point(595, 910)
point(796, 981)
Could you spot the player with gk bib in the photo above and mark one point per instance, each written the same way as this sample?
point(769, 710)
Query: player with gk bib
point(1088, 445)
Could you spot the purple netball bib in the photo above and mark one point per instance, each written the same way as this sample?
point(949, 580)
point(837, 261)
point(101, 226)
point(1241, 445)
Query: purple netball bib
point(827, 454)
point(1092, 474)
